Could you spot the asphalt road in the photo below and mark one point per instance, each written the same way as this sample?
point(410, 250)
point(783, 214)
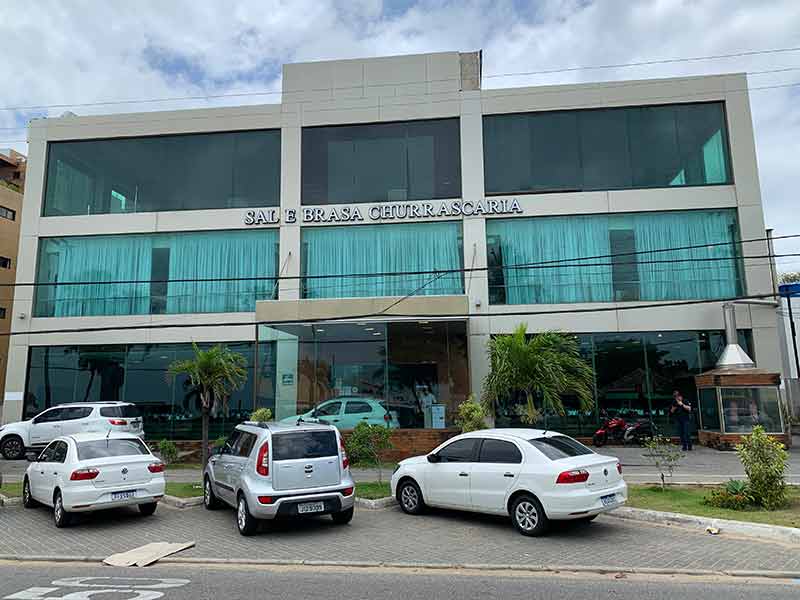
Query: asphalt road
point(182, 581)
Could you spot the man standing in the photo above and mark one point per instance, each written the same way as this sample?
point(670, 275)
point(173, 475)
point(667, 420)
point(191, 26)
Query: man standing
point(681, 411)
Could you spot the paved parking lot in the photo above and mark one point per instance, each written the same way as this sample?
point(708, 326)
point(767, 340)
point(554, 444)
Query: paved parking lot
point(391, 536)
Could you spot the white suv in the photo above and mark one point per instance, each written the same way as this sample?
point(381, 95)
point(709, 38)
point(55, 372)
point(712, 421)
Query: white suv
point(66, 419)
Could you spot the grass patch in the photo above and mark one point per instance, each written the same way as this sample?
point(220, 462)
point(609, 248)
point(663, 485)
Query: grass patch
point(386, 466)
point(178, 466)
point(12, 490)
point(184, 490)
point(688, 500)
point(372, 490)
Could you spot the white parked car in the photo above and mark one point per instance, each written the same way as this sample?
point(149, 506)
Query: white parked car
point(532, 475)
point(94, 471)
point(347, 412)
point(66, 419)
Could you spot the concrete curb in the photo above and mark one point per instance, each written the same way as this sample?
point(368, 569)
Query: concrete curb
point(773, 533)
point(176, 502)
point(9, 501)
point(598, 569)
point(375, 504)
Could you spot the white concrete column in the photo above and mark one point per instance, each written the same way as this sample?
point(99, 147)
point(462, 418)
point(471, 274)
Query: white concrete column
point(289, 254)
point(474, 230)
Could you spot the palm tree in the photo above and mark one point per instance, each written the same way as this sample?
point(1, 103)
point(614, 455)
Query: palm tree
point(215, 373)
point(545, 365)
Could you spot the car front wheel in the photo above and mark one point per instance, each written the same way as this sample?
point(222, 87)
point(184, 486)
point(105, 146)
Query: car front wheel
point(27, 498)
point(410, 497)
point(210, 501)
point(60, 516)
point(528, 516)
point(12, 448)
point(246, 523)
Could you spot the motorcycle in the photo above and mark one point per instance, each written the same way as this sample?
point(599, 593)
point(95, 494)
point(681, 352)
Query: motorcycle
point(612, 429)
point(638, 432)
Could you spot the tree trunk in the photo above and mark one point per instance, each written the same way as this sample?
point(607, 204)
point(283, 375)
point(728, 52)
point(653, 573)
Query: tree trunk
point(204, 443)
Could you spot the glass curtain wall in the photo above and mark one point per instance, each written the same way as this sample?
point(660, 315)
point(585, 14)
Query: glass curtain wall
point(606, 149)
point(156, 274)
point(138, 373)
point(619, 257)
point(381, 162)
point(635, 375)
point(159, 173)
point(400, 374)
point(375, 249)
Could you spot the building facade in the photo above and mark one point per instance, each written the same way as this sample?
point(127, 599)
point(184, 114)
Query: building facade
point(12, 180)
point(361, 242)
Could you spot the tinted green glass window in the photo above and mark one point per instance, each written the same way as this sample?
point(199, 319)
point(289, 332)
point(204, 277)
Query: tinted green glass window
point(603, 149)
point(380, 162)
point(174, 172)
point(156, 274)
point(617, 257)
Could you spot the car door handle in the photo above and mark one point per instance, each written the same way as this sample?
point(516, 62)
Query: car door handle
point(508, 474)
point(462, 474)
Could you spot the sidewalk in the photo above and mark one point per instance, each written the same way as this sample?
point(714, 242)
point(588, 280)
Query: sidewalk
point(390, 536)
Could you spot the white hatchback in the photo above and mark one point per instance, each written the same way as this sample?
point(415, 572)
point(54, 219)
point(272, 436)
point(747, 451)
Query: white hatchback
point(93, 471)
point(532, 475)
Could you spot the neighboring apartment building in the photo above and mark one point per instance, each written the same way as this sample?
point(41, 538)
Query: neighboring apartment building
point(376, 167)
point(12, 177)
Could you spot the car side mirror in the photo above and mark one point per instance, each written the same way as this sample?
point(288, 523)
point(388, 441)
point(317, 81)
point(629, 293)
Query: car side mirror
point(434, 458)
point(31, 456)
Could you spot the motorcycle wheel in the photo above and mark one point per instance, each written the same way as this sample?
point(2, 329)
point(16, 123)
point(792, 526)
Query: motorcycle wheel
point(599, 439)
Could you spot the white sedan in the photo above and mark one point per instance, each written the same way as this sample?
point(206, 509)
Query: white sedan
point(94, 471)
point(532, 475)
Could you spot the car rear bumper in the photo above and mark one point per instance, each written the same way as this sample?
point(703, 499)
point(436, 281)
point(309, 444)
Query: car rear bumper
point(88, 498)
point(287, 505)
point(583, 502)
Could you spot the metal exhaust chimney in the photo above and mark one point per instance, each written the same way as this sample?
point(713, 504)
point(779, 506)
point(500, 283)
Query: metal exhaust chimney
point(734, 356)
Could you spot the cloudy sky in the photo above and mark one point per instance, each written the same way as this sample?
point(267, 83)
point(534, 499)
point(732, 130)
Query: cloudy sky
point(70, 52)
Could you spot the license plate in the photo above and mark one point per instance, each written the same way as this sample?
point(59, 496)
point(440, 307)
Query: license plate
point(123, 495)
point(608, 500)
point(310, 507)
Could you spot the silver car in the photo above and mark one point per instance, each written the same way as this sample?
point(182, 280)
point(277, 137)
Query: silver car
point(273, 470)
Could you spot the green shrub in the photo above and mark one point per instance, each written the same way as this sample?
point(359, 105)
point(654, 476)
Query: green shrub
point(261, 415)
point(168, 451)
point(725, 499)
point(736, 487)
point(471, 415)
point(367, 443)
point(764, 461)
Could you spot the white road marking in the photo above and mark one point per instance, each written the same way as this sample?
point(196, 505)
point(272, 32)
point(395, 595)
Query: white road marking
point(135, 582)
point(133, 588)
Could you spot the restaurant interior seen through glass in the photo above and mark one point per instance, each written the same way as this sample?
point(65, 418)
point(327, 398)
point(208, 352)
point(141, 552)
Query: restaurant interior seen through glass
point(404, 374)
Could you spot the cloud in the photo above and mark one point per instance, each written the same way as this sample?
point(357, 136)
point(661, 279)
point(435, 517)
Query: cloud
point(86, 51)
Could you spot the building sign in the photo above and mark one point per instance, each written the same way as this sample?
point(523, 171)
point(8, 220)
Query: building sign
point(375, 213)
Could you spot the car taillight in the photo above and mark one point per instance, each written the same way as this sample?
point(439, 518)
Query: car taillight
point(118, 421)
point(576, 476)
point(262, 461)
point(345, 460)
point(347, 491)
point(156, 467)
point(265, 499)
point(84, 474)
point(619, 468)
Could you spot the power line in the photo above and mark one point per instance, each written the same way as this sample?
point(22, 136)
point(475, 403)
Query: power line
point(484, 76)
point(553, 263)
point(115, 120)
point(368, 316)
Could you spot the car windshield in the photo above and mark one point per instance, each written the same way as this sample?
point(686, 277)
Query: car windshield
point(560, 446)
point(304, 444)
point(109, 448)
